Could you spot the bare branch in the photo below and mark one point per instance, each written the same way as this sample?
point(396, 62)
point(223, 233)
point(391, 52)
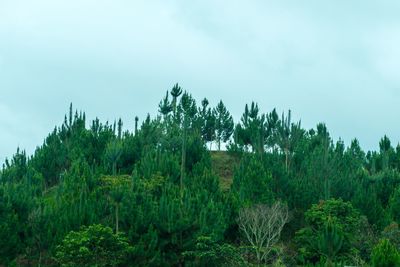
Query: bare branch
point(262, 226)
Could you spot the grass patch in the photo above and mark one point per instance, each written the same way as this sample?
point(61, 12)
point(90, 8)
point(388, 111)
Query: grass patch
point(223, 164)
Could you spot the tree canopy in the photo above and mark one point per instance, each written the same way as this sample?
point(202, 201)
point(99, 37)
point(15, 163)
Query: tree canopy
point(97, 194)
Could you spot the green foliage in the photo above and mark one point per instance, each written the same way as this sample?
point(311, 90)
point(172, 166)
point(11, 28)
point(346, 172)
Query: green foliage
point(288, 135)
point(223, 124)
point(366, 200)
point(161, 186)
point(208, 122)
point(113, 153)
point(95, 245)
point(176, 91)
point(165, 107)
point(385, 254)
point(209, 253)
point(251, 182)
point(392, 233)
point(223, 165)
point(395, 205)
point(330, 241)
point(252, 129)
point(10, 243)
point(331, 228)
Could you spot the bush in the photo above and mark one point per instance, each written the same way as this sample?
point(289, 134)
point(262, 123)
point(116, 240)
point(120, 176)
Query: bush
point(95, 245)
point(317, 241)
point(385, 255)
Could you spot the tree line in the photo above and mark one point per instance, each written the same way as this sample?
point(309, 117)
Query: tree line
point(94, 194)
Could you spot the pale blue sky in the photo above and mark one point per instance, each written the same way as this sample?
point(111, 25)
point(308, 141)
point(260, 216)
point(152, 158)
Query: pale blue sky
point(336, 62)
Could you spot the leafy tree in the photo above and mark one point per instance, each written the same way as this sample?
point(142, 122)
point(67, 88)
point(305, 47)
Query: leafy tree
point(95, 245)
point(346, 221)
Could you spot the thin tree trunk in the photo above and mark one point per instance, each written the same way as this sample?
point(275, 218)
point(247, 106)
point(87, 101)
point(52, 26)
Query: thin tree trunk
point(40, 254)
point(327, 188)
point(183, 164)
point(114, 168)
point(116, 218)
point(287, 160)
point(174, 100)
point(258, 258)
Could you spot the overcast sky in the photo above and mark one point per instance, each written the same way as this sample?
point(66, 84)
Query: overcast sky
point(336, 62)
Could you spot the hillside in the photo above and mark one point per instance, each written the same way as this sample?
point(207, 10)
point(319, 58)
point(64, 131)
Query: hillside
point(224, 164)
point(95, 194)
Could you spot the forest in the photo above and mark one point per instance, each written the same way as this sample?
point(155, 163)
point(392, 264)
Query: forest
point(193, 187)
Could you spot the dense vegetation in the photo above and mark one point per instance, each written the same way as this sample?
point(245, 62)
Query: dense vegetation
point(96, 195)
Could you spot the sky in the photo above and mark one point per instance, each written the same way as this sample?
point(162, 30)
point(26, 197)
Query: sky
point(336, 62)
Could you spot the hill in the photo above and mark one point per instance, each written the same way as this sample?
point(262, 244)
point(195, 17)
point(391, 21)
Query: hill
point(95, 194)
point(224, 164)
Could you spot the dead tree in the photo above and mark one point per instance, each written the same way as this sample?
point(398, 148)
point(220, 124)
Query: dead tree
point(262, 225)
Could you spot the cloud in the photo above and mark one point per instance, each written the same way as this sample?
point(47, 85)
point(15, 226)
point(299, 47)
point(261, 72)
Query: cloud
point(385, 53)
point(19, 129)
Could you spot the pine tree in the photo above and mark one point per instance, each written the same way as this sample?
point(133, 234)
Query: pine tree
point(188, 107)
point(208, 122)
point(385, 255)
point(10, 243)
point(70, 115)
point(253, 129)
point(113, 153)
point(386, 151)
point(252, 182)
point(165, 106)
point(288, 135)
point(272, 128)
point(224, 124)
point(176, 91)
point(136, 124)
point(120, 124)
point(395, 205)
point(330, 242)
